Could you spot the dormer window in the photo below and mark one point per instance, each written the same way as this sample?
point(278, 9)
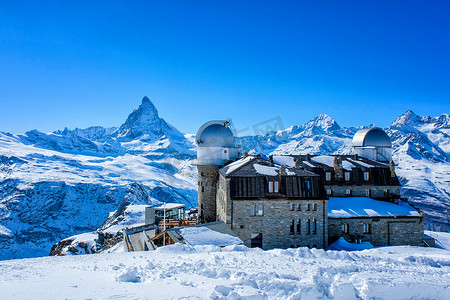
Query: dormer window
point(273, 186)
point(307, 185)
point(347, 176)
point(366, 176)
point(328, 176)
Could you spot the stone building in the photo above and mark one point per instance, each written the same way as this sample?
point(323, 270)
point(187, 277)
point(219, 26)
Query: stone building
point(272, 206)
point(305, 200)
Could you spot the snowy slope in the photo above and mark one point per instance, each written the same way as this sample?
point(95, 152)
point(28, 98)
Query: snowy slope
point(234, 272)
point(57, 185)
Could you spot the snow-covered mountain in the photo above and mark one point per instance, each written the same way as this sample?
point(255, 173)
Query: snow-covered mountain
point(320, 135)
point(60, 184)
point(64, 183)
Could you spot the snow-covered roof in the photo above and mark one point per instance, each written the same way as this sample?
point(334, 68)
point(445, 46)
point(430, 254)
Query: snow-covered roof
point(254, 166)
point(349, 162)
point(204, 236)
point(237, 164)
point(350, 207)
point(266, 170)
point(328, 160)
point(284, 160)
point(170, 206)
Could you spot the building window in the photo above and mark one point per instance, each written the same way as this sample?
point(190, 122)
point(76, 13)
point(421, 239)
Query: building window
point(292, 206)
point(313, 226)
point(292, 226)
point(329, 192)
point(348, 192)
point(308, 226)
point(366, 228)
point(260, 210)
point(307, 185)
point(308, 207)
point(273, 186)
point(299, 226)
point(386, 193)
point(299, 207)
point(368, 193)
point(252, 210)
point(328, 176)
point(314, 206)
point(347, 176)
point(344, 228)
point(203, 189)
point(366, 176)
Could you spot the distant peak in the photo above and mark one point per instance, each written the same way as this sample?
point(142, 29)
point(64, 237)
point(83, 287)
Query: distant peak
point(408, 118)
point(409, 112)
point(324, 122)
point(146, 100)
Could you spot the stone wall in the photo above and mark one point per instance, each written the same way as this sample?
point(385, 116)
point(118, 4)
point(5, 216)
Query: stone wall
point(207, 180)
point(274, 224)
point(384, 231)
point(376, 191)
point(223, 205)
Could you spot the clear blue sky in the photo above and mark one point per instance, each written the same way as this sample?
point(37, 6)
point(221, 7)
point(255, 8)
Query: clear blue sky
point(84, 63)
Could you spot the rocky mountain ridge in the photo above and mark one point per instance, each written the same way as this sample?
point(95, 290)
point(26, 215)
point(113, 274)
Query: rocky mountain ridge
point(60, 184)
point(56, 185)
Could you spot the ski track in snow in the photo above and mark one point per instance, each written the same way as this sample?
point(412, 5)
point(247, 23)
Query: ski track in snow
point(234, 272)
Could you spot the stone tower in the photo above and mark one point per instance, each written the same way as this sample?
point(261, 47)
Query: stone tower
point(215, 147)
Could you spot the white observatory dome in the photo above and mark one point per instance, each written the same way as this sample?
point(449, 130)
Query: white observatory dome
point(215, 134)
point(375, 137)
point(216, 144)
point(373, 143)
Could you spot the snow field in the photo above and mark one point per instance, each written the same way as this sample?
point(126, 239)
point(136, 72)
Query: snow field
point(234, 272)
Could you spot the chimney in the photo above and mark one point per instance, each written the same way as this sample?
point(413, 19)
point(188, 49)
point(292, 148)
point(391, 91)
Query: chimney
point(283, 171)
point(296, 163)
point(245, 154)
point(308, 157)
point(337, 166)
point(392, 167)
point(271, 160)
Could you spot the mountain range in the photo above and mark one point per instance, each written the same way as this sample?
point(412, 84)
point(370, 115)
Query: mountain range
point(56, 185)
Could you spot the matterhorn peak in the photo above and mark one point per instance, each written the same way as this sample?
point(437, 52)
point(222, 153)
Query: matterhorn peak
point(146, 100)
point(144, 119)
